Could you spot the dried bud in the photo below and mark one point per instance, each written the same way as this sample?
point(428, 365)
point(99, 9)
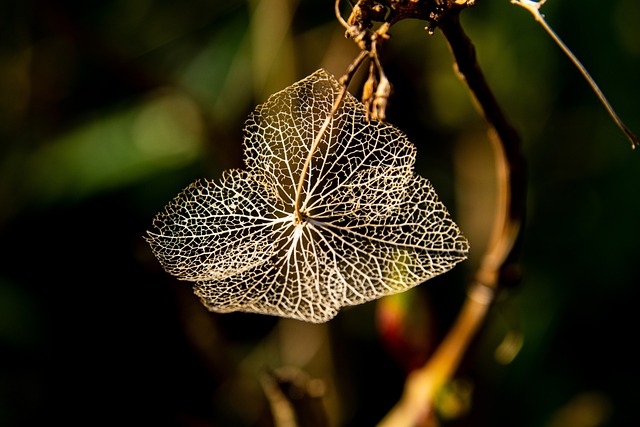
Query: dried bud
point(378, 111)
point(368, 93)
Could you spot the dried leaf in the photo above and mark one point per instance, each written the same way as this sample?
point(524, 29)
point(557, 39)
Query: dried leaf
point(371, 226)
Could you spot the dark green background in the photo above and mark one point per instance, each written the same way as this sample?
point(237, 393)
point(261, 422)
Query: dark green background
point(108, 109)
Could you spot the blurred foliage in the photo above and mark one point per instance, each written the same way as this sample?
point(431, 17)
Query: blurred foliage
point(108, 109)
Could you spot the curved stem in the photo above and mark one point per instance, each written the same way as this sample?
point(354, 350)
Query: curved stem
point(510, 164)
point(339, 15)
point(499, 259)
point(423, 384)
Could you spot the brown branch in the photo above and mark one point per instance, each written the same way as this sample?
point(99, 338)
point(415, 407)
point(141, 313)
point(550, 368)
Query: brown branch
point(499, 264)
point(499, 267)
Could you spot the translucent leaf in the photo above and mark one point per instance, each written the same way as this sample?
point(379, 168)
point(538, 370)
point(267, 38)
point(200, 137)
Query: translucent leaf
point(371, 226)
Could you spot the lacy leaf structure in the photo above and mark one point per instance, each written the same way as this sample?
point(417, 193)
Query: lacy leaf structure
point(369, 226)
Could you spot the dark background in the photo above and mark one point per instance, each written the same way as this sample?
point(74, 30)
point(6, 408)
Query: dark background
point(108, 109)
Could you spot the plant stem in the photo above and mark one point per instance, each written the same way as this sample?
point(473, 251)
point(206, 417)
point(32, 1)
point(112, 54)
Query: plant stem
point(534, 8)
point(424, 383)
point(510, 164)
point(497, 267)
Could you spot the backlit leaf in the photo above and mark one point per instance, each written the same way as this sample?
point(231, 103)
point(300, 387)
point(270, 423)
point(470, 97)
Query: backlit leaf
point(371, 227)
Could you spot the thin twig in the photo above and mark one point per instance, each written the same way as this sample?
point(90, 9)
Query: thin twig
point(534, 8)
point(336, 6)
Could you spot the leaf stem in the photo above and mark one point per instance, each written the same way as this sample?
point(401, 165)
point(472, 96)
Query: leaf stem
point(534, 8)
point(344, 80)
